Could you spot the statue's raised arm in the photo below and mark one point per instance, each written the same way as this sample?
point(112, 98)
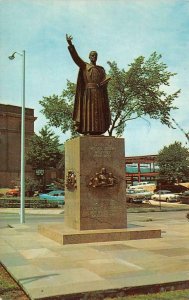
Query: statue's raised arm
point(76, 58)
point(69, 39)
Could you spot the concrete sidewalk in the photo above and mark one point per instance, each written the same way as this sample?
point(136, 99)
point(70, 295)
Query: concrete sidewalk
point(47, 269)
point(34, 211)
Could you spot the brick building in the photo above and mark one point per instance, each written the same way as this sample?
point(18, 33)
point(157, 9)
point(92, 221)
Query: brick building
point(10, 142)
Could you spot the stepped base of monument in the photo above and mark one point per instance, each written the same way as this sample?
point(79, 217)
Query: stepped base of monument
point(65, 236)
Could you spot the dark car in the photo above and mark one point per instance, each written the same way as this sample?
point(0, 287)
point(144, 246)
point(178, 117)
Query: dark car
point(184, 197)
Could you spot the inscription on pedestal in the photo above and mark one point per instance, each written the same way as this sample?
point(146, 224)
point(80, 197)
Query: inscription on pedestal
point(101, 151)
point(98, 210)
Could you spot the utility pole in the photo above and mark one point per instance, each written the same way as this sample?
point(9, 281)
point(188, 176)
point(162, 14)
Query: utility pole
point(22, 171)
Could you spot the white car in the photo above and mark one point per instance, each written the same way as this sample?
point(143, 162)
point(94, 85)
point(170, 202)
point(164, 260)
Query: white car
point(165, 195)
point(142, 185)
point(138, 195)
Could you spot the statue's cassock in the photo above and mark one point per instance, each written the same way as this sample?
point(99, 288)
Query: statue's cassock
point(91, 108)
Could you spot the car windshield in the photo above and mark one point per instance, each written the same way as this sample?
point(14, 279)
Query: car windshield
point(130, 191)
point(136, 191)
point(56, 193)
point(51, 193)
point(164, 192)
point(186, 193)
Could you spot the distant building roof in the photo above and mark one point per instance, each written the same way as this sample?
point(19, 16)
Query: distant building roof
point(140, 159)
point(7, 108)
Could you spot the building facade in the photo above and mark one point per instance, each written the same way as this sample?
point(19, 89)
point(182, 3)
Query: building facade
point(10, 142)
point(141, 168)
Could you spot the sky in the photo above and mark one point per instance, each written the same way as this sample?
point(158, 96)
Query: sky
point(119, 30)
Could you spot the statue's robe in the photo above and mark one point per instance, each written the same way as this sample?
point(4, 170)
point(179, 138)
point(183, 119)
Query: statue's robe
point(91, 107)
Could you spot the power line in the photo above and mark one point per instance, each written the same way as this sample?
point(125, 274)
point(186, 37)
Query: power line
point(185, 133)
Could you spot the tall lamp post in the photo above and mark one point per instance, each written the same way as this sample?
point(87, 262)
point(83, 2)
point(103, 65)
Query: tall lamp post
point(22, 171)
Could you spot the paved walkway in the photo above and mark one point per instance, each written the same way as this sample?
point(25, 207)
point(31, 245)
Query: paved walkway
point(35, 211)
point(46, 269)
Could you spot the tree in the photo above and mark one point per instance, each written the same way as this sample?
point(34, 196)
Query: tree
point(58, 109)
point(133, 94)
point(173, 161)
point(43, 152)
point(31, 185)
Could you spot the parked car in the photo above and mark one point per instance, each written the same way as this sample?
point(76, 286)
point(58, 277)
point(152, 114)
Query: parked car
point(165, 195)
point(143, 185)
point(13, 192)
point(50, 187)
point(184, 197)
point(137, 195)
point(57, 195)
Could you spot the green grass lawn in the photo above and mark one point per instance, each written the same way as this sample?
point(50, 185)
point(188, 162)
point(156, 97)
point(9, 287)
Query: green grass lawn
point(9, 289)
point(3, 190)
point(173, 295)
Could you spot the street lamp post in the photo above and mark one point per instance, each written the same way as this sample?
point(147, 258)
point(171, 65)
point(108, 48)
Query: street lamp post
point(22, 171)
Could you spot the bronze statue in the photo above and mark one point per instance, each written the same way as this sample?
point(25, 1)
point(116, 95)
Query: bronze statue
point(91, 108)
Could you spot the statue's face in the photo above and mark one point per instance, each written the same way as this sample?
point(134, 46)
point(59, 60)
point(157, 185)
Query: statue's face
point(93, 56)
point(103, 171)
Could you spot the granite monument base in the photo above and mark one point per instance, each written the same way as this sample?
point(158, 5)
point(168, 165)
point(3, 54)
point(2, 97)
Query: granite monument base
point(95, 194)
point(64, 236)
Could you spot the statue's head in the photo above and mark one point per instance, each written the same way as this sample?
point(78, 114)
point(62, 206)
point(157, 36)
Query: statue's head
point(103, 170)
point(93, 56)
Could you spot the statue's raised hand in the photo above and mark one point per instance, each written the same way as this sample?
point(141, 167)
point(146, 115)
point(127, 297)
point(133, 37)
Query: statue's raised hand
point(69, 39)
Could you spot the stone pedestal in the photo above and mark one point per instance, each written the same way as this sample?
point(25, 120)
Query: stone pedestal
point(97, 201)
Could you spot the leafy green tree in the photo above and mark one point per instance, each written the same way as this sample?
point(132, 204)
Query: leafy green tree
point(173, 161)
point(31, 185)
point(133, 94)
point(43, 151)
point(58, 109)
